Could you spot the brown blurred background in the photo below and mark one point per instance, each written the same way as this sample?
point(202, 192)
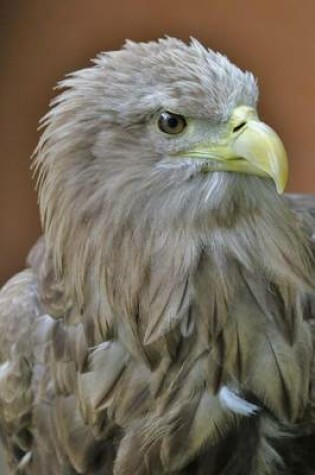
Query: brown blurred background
point(41, 40)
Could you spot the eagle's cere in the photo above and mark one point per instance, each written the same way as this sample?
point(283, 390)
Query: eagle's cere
point(164, 324)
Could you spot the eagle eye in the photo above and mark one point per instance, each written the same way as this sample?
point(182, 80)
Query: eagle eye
point(170, 123)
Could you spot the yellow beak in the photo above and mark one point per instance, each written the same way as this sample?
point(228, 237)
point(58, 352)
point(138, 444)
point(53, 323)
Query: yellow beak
point(251, 147)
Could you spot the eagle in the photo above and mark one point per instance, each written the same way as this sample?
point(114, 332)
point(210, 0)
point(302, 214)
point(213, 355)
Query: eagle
point(165, 321)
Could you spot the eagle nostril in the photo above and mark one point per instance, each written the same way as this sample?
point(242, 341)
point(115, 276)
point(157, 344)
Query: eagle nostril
point(239, 126)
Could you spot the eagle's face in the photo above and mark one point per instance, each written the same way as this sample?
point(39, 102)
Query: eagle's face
point(183, 107)
point(158, 128)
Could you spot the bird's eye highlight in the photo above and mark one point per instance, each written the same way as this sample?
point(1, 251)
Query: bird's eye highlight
point(170, 123)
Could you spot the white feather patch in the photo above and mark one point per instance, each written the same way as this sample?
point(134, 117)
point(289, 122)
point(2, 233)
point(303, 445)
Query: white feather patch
point(4, 369)
point(236, 404)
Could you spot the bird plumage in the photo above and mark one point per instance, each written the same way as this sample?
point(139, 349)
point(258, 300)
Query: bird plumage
point(164, 324)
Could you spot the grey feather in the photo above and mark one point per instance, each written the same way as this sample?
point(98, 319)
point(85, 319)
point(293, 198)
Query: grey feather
point(165, 324)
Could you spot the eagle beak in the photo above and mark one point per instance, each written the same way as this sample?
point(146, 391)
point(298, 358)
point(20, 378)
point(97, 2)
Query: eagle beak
point(260, 146)
point(250, 147)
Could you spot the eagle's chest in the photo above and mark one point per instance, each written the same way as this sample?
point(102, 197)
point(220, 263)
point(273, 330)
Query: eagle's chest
point(209, 353)
point(214, 328)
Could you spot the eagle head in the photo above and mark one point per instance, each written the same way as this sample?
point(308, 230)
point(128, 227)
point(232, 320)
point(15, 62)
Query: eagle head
point(156, 136)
